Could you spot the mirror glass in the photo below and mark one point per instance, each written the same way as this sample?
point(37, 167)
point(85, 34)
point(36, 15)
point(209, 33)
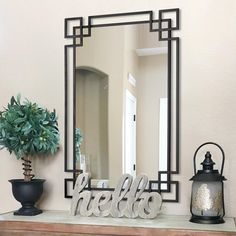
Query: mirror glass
point(121, 103)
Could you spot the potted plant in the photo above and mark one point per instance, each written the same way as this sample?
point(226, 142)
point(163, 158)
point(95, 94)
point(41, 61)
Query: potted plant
point(28, 130)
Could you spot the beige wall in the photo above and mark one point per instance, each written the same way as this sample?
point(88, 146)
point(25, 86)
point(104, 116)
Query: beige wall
point(151, 86)
point(131, 59)
point(152, 40)
point(31, 62)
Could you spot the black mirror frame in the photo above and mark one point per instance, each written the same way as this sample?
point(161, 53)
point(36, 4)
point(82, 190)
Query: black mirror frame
point(165, 34)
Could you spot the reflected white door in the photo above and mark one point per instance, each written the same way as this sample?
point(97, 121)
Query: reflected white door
point(163, 139)
point(130, 135)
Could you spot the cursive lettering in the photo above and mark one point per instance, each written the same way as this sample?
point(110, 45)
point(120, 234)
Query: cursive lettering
point(138, 204)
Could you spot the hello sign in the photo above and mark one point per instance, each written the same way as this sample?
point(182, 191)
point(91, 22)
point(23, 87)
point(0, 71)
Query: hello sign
point(137, 203)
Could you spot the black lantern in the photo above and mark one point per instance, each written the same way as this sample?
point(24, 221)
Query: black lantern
point(207, 200)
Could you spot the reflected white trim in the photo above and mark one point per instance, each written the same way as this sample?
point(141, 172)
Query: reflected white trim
point(151, 51)
point(163, 139)
point(131, 79)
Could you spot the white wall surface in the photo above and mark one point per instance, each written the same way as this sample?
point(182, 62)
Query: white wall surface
point(31, 62)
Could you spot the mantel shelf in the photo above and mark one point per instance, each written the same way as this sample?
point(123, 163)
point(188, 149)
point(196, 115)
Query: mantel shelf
point(61, 223)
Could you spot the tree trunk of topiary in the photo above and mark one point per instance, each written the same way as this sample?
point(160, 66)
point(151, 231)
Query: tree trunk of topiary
point(27, 169)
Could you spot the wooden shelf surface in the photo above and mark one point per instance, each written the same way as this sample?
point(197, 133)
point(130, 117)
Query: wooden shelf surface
point(60, 223)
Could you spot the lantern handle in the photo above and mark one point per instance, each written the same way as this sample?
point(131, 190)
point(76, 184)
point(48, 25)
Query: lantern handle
point(223, 156)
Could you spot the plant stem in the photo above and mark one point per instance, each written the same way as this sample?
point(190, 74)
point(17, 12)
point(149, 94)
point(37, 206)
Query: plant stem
point(27, 169)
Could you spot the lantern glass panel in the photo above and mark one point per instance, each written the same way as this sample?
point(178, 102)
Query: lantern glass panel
point(207, 198)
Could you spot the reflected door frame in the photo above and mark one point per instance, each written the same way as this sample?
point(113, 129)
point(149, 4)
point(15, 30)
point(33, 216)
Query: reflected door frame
point(129, 157)
point(163, 136)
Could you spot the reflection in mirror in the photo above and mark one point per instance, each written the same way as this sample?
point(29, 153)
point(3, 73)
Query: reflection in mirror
point(121, 103)
point(92, 120)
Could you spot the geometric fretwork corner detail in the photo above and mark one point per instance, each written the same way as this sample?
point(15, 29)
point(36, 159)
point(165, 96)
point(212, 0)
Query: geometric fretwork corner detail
point(78, 31)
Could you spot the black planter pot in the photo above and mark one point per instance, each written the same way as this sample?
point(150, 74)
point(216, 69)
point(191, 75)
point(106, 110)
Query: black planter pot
point(27, 193)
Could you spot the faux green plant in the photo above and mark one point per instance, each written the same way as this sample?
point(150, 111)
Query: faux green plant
point(28, 130)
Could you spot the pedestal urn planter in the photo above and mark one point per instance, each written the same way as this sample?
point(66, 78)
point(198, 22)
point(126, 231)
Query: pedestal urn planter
point(27, 193)
point(28, 131)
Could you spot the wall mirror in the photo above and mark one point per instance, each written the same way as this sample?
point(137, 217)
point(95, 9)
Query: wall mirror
point(122, 99)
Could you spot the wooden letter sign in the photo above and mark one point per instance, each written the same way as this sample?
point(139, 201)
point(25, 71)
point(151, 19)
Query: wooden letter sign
point(136, 202)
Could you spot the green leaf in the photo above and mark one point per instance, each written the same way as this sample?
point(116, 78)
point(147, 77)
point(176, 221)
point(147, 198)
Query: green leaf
point(20, 120)
point(3, 133)
point(12, 101)
point(26, 128)
point(18, 97)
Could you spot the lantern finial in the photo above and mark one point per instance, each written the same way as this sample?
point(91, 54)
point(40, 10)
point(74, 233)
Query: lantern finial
point(208, 163)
